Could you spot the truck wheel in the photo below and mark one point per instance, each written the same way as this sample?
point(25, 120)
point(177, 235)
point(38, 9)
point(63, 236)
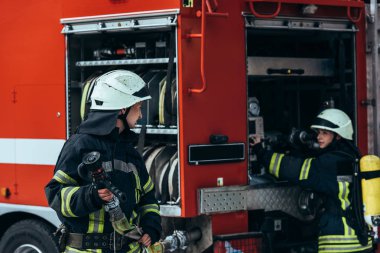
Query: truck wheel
point(29, 236)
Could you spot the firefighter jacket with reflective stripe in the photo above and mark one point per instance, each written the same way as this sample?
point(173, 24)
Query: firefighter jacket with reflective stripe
point(322, 174)
point(77, 203)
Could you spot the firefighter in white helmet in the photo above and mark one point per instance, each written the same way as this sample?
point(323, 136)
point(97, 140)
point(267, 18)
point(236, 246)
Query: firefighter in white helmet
point(328, 174)
point(93, 218)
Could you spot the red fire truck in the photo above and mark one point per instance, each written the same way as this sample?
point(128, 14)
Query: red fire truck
point(218, 71)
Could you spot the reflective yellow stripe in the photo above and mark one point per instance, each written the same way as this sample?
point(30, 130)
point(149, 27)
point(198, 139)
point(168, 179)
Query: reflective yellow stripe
point(153, 208)
point(343, 194)
point(150, 211)
point(347, 229)
point(96, 222)
point(337, 239)
point(341, 243)
point(137, 195)
point(134, 247)
point(134, 215)
point(101, 220)
point(66, 195)
point(72, 250)
point(63, 178)
point(135, 219)
point(156, 248)
point(344, 203)
point(91, 223)
point(304, 174)
point(274, 166)
point(148, 186)
point(138, 186)
point(342, 248)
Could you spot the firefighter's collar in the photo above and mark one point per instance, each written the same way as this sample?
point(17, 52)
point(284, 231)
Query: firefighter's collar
point(99, 122)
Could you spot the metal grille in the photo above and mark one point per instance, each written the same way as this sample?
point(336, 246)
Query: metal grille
point(246, 244)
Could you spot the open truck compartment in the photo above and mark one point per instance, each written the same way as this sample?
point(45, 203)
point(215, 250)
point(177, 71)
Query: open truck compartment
point(296, 67)
point(145, 45)
point(296, 71)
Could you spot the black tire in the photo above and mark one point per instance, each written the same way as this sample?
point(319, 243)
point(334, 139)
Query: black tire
point(29, 236)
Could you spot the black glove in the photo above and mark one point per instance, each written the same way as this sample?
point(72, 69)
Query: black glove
point(258, 150)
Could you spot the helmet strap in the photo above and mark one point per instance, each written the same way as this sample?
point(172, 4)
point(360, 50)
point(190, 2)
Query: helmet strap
point(335, 140)
point(123, 118)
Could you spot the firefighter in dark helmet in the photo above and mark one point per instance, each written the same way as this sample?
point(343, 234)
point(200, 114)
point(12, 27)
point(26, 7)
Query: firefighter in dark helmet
point(83, 207)
point(327, 174)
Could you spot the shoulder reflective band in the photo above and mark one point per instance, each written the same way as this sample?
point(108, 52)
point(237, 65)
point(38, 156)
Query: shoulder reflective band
point(63, 178)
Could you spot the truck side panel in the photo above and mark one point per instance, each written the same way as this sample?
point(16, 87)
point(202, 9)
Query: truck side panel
point(220, 109)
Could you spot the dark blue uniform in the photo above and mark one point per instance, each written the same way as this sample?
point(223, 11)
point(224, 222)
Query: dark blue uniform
point(324, 174)
point(77, 203)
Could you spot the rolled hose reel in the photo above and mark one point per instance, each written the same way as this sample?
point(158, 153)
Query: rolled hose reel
point(162, 166)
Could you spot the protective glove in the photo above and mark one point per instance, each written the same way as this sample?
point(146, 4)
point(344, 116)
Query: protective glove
point(117, 218)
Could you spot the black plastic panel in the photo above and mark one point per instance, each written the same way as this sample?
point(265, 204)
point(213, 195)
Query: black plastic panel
point(216, 153)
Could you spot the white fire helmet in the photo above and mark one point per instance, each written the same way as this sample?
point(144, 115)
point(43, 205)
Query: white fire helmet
point(118, 89)
point(336, 121)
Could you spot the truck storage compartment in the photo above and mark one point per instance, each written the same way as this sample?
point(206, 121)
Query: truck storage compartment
point(293, 73)
point(145, 45)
